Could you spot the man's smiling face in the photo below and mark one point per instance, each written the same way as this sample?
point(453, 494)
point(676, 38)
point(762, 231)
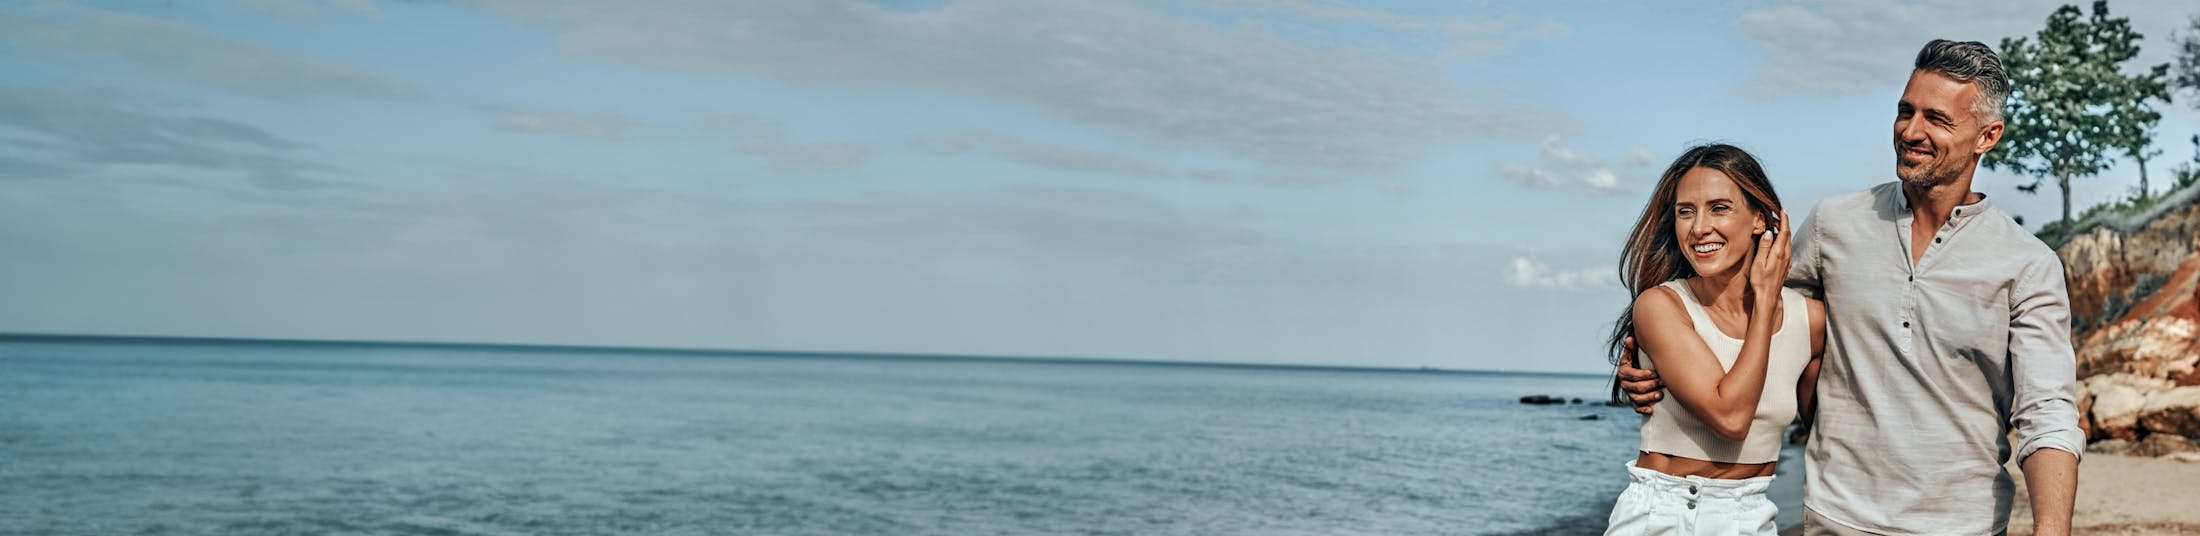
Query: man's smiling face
point(1937, 129)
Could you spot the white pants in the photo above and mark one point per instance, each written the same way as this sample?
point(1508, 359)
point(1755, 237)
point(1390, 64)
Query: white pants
point(1660, 504)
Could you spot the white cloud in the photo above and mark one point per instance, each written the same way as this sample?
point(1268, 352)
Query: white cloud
point(1575, 168)
point(173, 51)
point(1559, 155)
point(1602, 181)
point(1527, 273)
point(1851, 47)
point(1530, 177)
point(1640, 157)
point(1131, 68)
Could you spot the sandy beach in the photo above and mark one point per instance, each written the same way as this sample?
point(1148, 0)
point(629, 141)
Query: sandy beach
point(2126, 495)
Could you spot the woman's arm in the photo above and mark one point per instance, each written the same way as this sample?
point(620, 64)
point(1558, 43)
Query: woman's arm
point(1725, 399)
point(1806, 387)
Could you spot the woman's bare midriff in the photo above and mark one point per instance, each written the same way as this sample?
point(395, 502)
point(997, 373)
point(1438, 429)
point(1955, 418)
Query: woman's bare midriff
point(1685, 466)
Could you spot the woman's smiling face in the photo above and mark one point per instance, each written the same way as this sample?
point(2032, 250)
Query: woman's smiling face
point(1712, 222)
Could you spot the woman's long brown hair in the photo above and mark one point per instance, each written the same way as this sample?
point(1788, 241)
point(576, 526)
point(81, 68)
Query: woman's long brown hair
point(1653, 256)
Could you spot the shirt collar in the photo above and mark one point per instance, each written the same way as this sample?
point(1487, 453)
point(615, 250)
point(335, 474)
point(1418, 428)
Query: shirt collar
point(1961, 214)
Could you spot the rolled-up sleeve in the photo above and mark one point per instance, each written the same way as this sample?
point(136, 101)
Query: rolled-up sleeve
point(2043, 365)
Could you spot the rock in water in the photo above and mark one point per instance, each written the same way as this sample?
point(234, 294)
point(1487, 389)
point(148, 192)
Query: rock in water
point(1541, 400)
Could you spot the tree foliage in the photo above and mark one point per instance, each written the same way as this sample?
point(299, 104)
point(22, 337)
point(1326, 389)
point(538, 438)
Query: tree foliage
point(2071, 106)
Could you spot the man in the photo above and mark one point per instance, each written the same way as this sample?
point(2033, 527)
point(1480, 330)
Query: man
point(1949, 329)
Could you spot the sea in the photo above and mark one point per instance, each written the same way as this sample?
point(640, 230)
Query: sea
point(159, 436)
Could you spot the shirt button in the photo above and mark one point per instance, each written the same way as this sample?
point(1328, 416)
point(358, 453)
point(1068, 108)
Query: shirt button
point(1936, 240)
point(1905, 324)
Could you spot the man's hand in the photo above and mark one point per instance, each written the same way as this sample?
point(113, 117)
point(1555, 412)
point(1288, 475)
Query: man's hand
point(1642, 386)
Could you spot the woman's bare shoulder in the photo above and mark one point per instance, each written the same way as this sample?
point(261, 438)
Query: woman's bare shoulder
point(1658, 303)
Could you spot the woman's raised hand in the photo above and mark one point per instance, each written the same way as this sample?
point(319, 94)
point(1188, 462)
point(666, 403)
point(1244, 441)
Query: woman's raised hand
point(1769, 265)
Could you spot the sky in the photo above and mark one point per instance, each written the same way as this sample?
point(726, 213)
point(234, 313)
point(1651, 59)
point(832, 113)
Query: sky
point(1379, 184)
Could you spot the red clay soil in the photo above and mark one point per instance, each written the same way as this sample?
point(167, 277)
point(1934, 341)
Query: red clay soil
point(2179, 299)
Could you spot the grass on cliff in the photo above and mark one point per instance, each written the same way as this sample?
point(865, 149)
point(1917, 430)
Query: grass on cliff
point(2131, 213)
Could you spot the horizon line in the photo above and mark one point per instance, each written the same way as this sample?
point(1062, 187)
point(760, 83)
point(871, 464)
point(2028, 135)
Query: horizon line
point(733, 352)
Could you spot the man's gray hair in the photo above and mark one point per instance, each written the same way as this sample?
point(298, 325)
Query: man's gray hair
point(1974, 62)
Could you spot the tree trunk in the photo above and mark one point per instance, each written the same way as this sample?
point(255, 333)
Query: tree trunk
point(2142, 158)
point(2063, 180)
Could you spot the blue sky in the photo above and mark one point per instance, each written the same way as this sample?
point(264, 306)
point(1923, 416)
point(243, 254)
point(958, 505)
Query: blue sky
point(1271, 181)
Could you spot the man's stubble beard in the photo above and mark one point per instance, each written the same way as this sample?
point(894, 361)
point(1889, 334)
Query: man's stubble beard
point(1940, 173)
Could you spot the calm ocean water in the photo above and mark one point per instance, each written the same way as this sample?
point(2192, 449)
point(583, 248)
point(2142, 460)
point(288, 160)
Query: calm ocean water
point(111, 438)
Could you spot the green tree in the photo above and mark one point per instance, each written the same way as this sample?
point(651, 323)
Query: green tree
point(2070, 103)
point(2134, 143)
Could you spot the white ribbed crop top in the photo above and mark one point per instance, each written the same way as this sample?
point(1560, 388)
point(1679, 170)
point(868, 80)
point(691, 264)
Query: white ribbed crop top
point(1671, 429)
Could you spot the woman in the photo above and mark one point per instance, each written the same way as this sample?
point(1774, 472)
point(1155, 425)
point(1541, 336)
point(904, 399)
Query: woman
point(1738, 353)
